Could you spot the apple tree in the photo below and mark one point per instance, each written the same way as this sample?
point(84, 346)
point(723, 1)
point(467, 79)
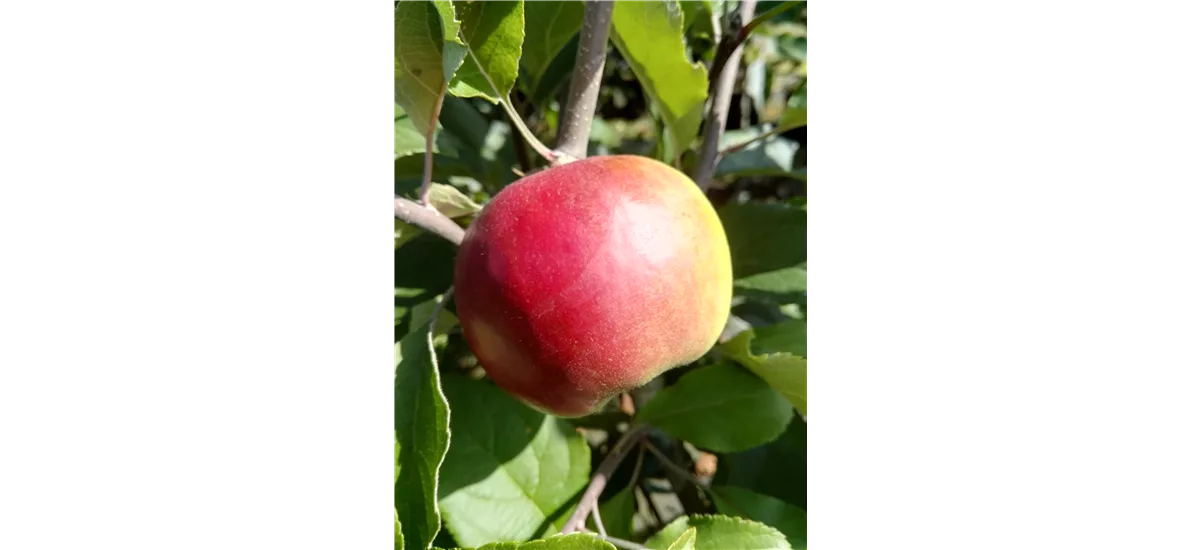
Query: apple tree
point(665, 404)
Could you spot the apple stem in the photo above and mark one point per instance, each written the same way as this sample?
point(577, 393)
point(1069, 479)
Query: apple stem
point(726, 62)
point(591, 495)
point(575, 120)
point(513, 116)
point(428, 218)
point(427, 176)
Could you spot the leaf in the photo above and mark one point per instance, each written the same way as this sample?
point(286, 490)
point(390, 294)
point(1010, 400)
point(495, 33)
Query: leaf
point(548, 27)
point(764, 236)
point(719, 407)
point(785, 372)
point(797, 110)
point(686, 541)
point(399, 535)
point(493, 32)
point(422, 431)
point(408, 139)
point(573, 541)
point(783, 286)
point(427, 53)
point(778, 469)
point(451, 202)
point(788, 336)
point(510, 468)
point(650, 37)
point(790, 520)
point(721, 533)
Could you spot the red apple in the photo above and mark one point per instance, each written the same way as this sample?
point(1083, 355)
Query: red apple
point(589, 279)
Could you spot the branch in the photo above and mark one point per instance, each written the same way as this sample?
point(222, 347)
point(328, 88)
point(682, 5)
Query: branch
point(720, 92)
point(591, 495)
point(429, 219)
point(575, 120)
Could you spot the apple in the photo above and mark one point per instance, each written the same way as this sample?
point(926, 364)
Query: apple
point(585, 280)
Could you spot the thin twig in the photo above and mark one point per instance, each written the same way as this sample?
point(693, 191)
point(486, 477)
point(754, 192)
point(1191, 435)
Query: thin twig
point(739, 146)
point(721, 93)
point(429, 219)
point(671, 465)
point(619, 543)
point(599, 522)
point(596, 486)
point(627, 545)
point(764, 17)
point(515, 118)
point(427, 177)
point(575, 120)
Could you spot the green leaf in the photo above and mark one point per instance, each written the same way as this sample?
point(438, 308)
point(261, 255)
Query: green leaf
point(427, 54)
point(720, 407)
point(548, 27)
point(686, 541)
point(790, 520)
point(650, 37)
point(797, 110)
point(493, 32)
point(785, 372)
point(423, 434)
point(451, 202)
point(764, 236)
point(573, 541)
point(408, 139)
point(783, 286)
point(397, 537)
point(721, 533)
point(788, 337)
point(778, 469)
point(510, 468)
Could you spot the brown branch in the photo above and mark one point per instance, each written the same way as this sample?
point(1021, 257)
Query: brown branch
point(429, 219)
point(575, 120)
point(591, 495)
point(726, 62)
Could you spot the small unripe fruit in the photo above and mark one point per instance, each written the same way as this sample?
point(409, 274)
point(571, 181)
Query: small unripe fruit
point(591, 278)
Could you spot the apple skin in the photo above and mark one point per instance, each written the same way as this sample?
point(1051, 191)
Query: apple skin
point(585, 280)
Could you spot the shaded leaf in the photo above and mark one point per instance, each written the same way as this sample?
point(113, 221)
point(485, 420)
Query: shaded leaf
point(788, 337)
point(790, 520)
point(797, 110)
point(771, 156)
point(509, 469)
point(408, 139)
point(549, 26)
point(778, 469)
point(720, 407)
point(427, 52)
point(617, 514)
point(715, 532)
point(785, 372)
point(423, 435)
point(650, 37)
point(764, 236)
point(493, 31)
